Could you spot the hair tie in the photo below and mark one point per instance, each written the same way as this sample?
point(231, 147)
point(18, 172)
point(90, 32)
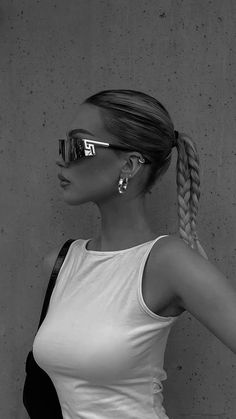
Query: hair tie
point(175, 141)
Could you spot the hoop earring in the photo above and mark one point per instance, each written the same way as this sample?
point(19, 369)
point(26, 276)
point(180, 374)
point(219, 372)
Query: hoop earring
point(123, 183)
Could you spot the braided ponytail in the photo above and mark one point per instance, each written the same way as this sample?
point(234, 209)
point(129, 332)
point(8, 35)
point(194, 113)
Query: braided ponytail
point(188, 191)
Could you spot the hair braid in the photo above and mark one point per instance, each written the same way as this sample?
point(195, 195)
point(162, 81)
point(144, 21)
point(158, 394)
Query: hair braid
point(183, 193)
point(188, 190)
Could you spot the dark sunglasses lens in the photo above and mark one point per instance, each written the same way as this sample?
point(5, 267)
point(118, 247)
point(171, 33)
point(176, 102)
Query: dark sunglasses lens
point(76, 149)
point(71, 149)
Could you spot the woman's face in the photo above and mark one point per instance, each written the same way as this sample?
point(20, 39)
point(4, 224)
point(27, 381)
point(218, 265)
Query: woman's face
point(93, 178)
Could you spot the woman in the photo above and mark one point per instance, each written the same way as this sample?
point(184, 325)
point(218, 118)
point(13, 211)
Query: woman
point(118, 294)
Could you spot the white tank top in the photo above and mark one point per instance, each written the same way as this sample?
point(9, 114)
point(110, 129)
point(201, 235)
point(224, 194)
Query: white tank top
point(99, 343)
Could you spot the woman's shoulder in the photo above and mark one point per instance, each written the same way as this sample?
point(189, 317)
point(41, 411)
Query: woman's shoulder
point(173, 251)
point(171, 243)
point(172, 259)
point(180, 267)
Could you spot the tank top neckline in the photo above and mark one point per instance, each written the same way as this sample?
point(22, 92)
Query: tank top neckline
point(115, 252)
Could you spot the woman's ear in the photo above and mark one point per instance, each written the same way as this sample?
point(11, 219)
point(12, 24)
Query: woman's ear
point(132, 165)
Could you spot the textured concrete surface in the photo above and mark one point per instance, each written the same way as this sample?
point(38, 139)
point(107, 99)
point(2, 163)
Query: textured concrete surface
point(53, 55)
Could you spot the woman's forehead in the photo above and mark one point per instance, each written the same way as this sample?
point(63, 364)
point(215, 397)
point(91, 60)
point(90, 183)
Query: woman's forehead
point(75, 131)
point(88, 120)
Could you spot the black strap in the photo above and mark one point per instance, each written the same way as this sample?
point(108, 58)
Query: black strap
point(56, 268)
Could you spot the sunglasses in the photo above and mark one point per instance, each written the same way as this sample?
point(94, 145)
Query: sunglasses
point(77, 147)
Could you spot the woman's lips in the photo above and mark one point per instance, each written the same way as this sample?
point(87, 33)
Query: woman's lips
point(64, 184)
point(63, 179)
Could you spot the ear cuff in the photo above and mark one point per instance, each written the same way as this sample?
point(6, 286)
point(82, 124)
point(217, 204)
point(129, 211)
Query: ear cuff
point(141, 160)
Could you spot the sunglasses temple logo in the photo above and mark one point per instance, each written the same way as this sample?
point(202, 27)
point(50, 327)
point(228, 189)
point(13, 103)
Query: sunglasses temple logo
point(89, 149)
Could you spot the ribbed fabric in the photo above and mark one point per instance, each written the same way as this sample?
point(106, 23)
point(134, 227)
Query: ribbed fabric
point(100, 344)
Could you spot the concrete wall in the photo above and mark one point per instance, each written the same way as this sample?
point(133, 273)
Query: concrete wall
point(55, 53)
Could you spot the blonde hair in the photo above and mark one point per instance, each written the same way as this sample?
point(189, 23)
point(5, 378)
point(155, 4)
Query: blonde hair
point(141, 121)
point(188, 191)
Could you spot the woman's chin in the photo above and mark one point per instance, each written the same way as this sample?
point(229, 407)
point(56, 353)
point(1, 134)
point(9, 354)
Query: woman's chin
point(72, 200)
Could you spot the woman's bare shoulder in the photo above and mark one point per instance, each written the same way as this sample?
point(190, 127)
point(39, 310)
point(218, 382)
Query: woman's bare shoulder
point(169, 259)
point(171, 243)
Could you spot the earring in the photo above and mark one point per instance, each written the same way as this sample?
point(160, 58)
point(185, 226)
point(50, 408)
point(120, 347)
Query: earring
point(141, 160)
point(123, 183)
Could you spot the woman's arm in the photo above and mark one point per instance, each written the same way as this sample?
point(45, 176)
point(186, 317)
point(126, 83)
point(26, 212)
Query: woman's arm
point(202, 290)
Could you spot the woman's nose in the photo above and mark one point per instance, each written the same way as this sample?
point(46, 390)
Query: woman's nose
point(61, 163)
